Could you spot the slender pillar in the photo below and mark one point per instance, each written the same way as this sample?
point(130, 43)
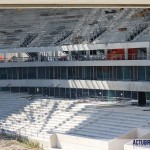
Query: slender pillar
point(105, 53)
point(69, 54)
point(52, 55)
point(148, 52)
point(126, 53)
point(87, 54)
point(56, 55)
point(20, 56)
point(5, 57)
point(39, 56)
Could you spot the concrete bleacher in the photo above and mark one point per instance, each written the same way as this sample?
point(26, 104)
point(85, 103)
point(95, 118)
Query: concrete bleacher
point(46, 116)
point(42, 117)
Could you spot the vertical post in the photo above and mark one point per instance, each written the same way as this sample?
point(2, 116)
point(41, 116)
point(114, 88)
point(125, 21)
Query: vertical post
point(52, 56)
point(148, 53)
point(39, 56)
point(69, 54)
point(20, 56)
point(56, 55)
point(105, 53)
point(87, 54)
point(126, 53)
point(5, 57)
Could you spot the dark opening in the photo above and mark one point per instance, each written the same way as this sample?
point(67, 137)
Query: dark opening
point(141, 99)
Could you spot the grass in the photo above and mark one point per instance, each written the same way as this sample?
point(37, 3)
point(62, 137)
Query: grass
point(25, 142)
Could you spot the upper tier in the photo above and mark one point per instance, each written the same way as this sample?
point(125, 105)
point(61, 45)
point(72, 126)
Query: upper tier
point(50, 27)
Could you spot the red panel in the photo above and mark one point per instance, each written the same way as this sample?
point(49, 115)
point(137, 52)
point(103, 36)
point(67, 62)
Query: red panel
point(116, 54)
point(132, 53)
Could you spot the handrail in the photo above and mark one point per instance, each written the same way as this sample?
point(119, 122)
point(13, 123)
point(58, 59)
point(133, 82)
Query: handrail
point(139, 56)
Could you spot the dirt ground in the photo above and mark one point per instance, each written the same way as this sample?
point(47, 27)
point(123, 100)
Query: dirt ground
point(12, 145)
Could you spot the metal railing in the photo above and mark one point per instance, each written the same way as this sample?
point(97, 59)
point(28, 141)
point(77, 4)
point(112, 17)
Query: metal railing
point(109, 57)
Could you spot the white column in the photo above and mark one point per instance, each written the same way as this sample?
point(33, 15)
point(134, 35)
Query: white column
point(105, 53)
point(52, 55)
point(69, 54)
point(5, 57)
point(39, 56)
point(87, 54)
point(126, 53)
point(148, 52)
point(20, 56)
point(56, 55)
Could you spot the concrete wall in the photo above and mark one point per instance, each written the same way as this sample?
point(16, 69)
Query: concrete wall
point(90, 84)
point(130, 146)
point(118, 144)
point(78, 63)
point(142, 131)
point(68, 142)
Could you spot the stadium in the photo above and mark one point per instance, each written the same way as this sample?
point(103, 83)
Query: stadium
point(76, 78)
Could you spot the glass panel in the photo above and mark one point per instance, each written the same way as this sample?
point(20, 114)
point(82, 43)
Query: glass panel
point(78, 72)
point(9, 73)
point(147, 73)
point(126, 71)
point(20, 70)
point(119, 73)
point(87, 71)
point(68, 93)
point(85, 93)
point(106, 73)
point(99, 94)
point(148, 96)
point(92, 93)
point(15, 73)
point(112, 73)
point(99, 73)
point(73, 93)
point(5, 88)
point(23, 89)
point(32, 90)
point(111, 95)
point(15, 89)
point(141, 73)
point(41, 72)
point(105, 94)
point(52, 91)
point(63, 73)
point(25, 73)
point(52, 73)
point(134, 95)
point(70, 73)
point(39, 90)
point(57, 93)
point(119, 94)
point(3, 74)
point(134, 73)
point(46, 91)
point(80, 75)
point(79, 93)
point(95, 73)
point(59, 72)
point(47, 69)
point(31, 73)
point(62, 92)
point(127, 94)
